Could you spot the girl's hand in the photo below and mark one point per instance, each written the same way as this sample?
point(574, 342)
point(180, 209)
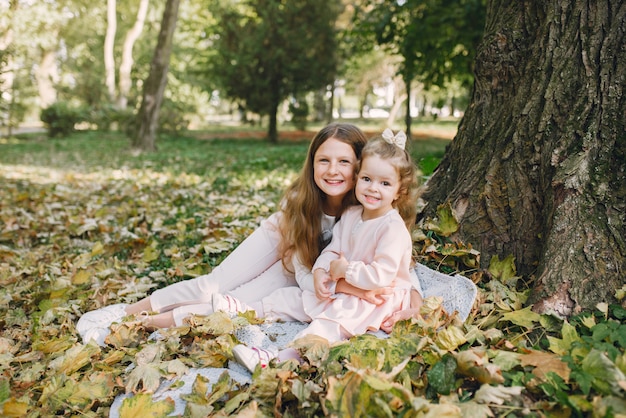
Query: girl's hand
point(388, 323)
point(412, 312)
point(375, 296)
point(321, 282)
point(338, 267)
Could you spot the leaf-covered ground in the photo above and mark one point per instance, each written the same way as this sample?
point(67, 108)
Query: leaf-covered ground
point(84, 223)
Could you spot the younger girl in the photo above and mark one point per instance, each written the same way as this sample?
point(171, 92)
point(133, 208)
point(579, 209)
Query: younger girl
point(371, 249)
point(263, 262)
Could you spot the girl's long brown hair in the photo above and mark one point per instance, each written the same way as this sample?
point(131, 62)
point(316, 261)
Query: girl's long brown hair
point(300, 225)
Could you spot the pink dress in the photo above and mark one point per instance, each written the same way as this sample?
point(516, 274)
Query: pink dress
point(379, 252)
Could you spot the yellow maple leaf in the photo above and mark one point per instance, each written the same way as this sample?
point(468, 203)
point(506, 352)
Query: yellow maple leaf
point(503, 270)
point(450, 338)
point(81, 276)
point(522, 317)
point(74, 358)
point(97, 387)
point(145, 377)
point(142, 405)
point(14, 408)
point(150, 254)
point(446, 224)
point(97, 249)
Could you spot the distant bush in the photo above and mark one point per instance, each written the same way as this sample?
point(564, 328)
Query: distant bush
point(172, 116)
point(60, 118)
point(299, 113)
point(110, 117)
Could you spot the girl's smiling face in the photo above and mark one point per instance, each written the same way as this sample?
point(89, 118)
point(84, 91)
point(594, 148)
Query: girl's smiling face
point(333, 169)
point(377, 186)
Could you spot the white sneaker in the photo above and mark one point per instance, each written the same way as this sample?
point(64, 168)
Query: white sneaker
point(229, 304)
point(250, 357)
point(94, 325)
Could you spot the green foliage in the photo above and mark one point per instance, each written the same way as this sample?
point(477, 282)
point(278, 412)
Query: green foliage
point(299, 110)
point(172, 116)
point(268, 50)
point(60, 118)
point(437, 40)
point(106, 117)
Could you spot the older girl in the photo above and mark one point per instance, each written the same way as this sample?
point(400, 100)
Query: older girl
point(264, 261)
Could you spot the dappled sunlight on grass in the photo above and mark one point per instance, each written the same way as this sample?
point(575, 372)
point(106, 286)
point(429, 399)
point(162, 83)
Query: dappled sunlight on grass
point(48, 175)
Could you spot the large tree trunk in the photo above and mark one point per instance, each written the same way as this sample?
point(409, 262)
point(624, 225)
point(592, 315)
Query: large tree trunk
point(126, 65)
point(155, 84)
point(537, 167)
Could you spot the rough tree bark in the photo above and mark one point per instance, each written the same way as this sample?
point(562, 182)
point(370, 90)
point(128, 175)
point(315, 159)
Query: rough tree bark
point(154, 86)
point(537, 168)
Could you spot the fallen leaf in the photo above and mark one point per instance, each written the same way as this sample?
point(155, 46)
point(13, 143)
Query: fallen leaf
point(504, 270)
point(81, 277)
point(474, 363)
point(545, 363)
point(144, 378)
point(142, 405)
point(497, 394)
point(450, 338)
point(14, 408)
point(522, 317)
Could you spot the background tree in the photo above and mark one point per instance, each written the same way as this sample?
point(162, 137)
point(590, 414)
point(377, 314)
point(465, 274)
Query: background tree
point(155, 84)
point(269, 50)
point(435, 38)
point(109, 49)
point(537, 167)
point(365, 72)
point(126, 63)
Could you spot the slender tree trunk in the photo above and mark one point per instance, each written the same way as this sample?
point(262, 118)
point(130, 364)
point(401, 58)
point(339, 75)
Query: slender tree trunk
point(155, 84)
point(272, 133)
point(331, 104)
point(319, 105)
point(109, 43)
point(126, 65)
point(407, 116)
point(537, 167)
point(7, 71)
point(47, 76)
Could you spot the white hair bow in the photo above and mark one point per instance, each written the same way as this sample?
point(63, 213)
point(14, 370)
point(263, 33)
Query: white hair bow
point(398, 139)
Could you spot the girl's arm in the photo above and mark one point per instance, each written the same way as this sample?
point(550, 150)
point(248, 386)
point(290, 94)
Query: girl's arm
point(374, 296)
point(304, 275)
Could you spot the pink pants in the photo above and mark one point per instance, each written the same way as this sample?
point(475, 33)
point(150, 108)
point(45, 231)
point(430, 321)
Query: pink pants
point(253, 270)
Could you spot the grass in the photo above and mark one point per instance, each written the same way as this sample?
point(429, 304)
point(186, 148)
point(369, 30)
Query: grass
point(204, 153)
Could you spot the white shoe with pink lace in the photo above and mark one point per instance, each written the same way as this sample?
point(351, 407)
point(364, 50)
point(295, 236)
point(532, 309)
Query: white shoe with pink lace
point(229, 304)
point(251, 357)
